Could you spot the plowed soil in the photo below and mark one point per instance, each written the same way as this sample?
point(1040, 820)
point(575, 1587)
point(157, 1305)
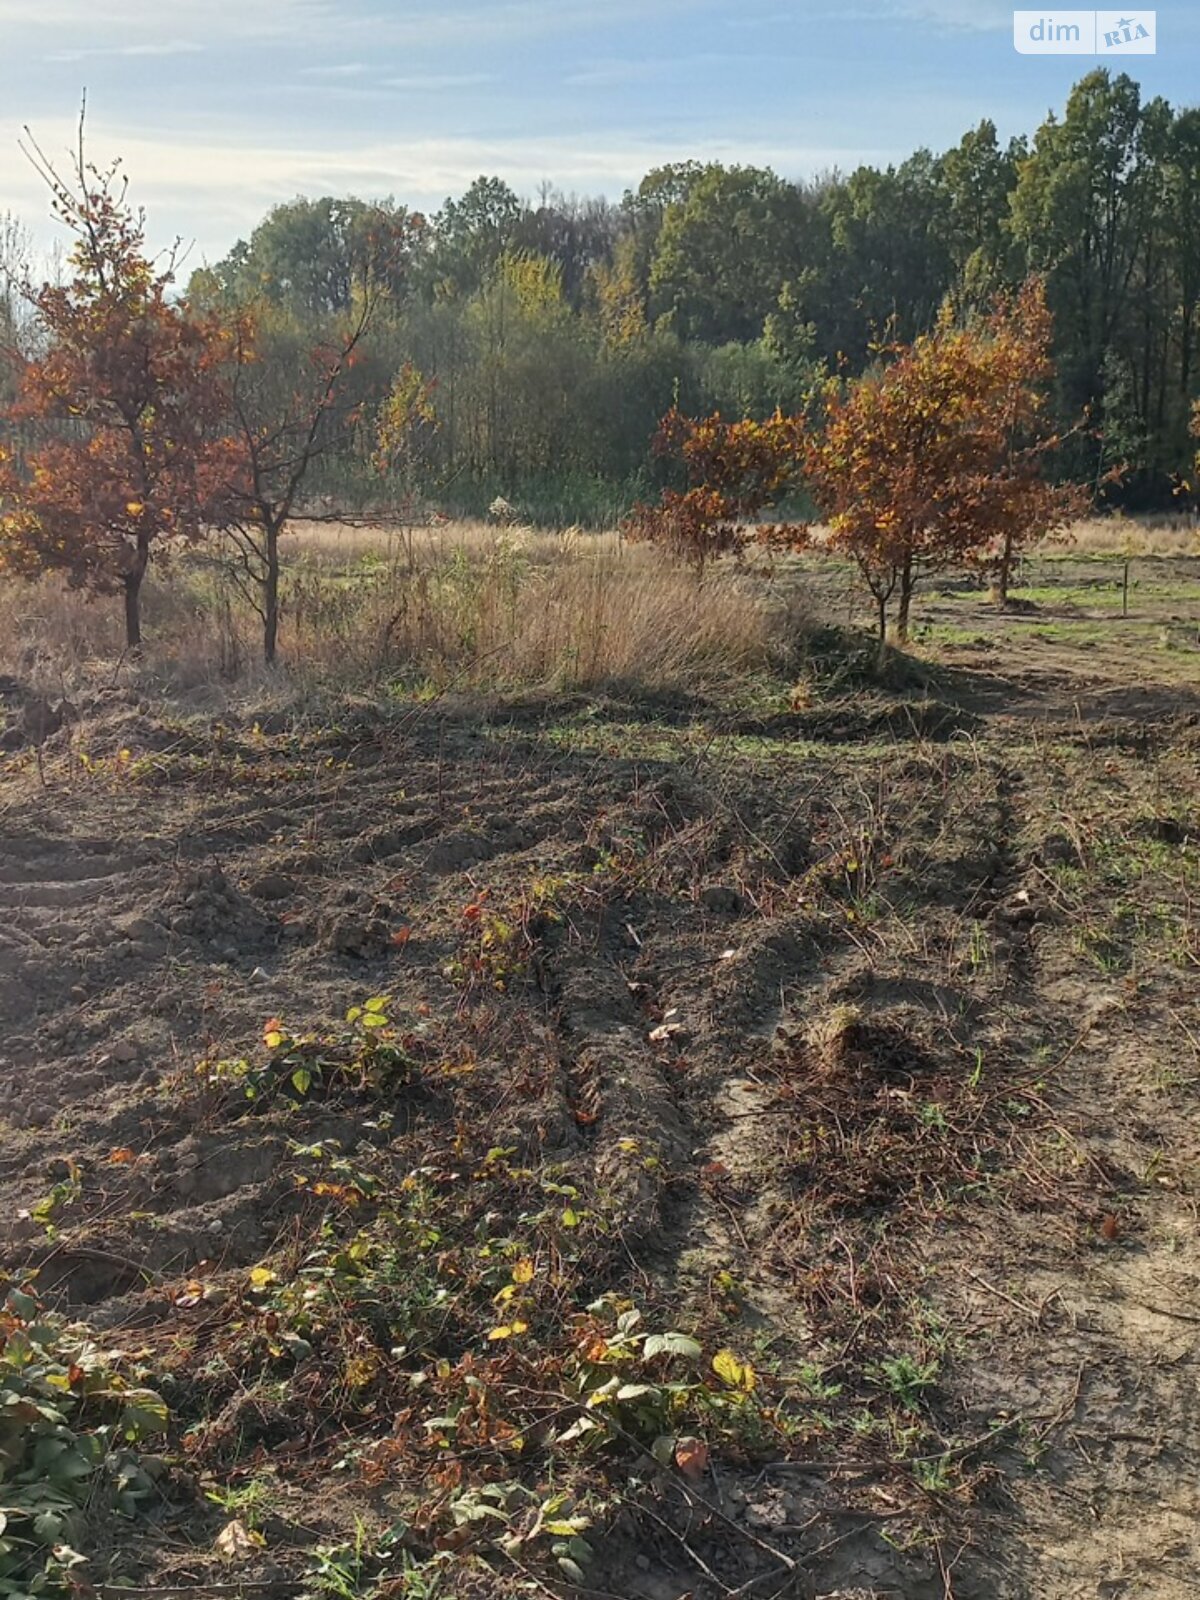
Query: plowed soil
point(874, 1034)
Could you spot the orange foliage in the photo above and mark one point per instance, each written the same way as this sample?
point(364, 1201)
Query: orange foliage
point(734, 470)
point(940, 458)
point(121, 403)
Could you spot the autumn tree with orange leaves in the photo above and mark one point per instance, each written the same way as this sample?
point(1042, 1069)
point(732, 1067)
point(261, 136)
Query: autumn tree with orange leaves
point(733, 470)
point(118, 407)
point(942, 457)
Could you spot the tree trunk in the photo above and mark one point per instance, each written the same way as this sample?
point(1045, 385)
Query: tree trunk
point(1185, 353)
point(1185, 377)
point(907, 583)
point(271, 596)
point(881, 650)
point(1003, 574)
point(133, 606)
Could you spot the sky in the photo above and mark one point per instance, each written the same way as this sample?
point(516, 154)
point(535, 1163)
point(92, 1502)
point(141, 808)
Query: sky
point(220, 109)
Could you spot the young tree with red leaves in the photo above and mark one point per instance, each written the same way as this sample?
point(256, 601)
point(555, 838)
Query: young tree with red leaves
point(941, 458)
point(734, 470)
point(123, 398)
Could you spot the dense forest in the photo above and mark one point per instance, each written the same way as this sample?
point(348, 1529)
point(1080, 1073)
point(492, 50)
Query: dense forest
point(549, 336)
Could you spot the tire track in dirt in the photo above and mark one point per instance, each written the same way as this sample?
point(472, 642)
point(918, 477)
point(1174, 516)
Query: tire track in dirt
point(726, 917)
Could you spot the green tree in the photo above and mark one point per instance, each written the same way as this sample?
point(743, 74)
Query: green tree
point(1084, 209)
point(528, 373)
point(889, 265)
point(470, 235)
point(724, 253)
point(979, 178)
point(1183, 231)
point(577, 235)
point(616, 296)
point(312, 255)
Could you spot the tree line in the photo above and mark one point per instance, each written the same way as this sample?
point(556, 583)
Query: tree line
point(943, 361)
point(555, 333)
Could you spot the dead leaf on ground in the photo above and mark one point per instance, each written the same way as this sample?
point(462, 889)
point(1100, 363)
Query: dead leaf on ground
point(235, 1541)
point(691, 1457)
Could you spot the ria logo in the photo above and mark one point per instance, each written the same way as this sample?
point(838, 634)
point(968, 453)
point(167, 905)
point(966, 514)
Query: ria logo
point(1085, 33)
point(1131, 35)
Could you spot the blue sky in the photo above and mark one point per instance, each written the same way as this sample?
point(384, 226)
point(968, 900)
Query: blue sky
point(220, 108)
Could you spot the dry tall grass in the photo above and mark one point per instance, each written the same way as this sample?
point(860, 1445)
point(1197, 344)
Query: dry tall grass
point(1163, 535)
point(464, 606)
point(1151, 534)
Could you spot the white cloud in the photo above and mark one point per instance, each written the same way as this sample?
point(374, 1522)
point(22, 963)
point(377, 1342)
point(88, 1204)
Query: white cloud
point(213, 189)
point(614, 74)
point(948, 16)
point(413, 23)
point(968, 16)
point(164, 47)
point(343, 69)
point(439, 82)
point(147, 18)
point(982, 16)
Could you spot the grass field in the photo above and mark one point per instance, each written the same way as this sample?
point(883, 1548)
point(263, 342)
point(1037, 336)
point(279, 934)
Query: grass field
point(585, 1084)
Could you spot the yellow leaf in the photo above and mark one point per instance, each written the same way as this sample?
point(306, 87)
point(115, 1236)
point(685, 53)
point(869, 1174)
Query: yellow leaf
point(523, 1271)
point(731, 1369)
point(273, 1039)
point(260, 1277)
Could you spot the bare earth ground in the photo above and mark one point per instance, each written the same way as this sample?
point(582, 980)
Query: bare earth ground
point(862, 1042)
